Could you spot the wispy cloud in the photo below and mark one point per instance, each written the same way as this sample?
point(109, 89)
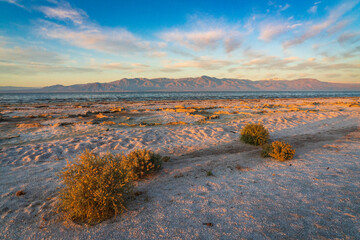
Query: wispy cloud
point(314, 30)
point(20, 60)
point(270, 30)
point(206, 63)
point(205, 34)
point(338, 26)
point(351, 37)
point(283, 8)
point(64, 12)
point(85, 34)
point(121, 66)
point(270, 62)
point(115, 41)
point(313, 9)
point(29, 54)
point(15, 2)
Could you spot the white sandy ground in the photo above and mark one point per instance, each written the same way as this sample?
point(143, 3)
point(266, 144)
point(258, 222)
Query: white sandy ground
point(316, 197)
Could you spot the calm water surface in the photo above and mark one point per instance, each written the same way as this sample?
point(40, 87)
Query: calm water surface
point(20, 98)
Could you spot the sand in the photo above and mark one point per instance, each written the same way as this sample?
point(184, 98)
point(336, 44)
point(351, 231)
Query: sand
point(314, 196)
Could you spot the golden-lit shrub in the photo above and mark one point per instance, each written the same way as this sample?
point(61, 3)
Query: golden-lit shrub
point(282, 151)
point(95, 187)
point(142, 162)
point(254, 134)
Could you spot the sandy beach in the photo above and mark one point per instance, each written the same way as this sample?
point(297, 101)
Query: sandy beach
point(314, 196)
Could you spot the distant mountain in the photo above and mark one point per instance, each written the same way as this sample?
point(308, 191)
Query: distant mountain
point(203, 83)
point(14, 89)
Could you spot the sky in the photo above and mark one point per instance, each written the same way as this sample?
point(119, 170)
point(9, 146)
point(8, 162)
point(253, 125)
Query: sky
point(48, 42)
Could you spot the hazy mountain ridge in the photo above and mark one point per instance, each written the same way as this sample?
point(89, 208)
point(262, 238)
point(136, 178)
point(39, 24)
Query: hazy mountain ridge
point(203, 83)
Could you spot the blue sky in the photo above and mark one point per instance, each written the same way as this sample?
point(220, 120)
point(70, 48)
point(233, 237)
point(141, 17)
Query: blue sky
point(66, 42)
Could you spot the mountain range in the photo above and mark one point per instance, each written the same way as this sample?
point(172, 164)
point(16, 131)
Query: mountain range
point(203, 83)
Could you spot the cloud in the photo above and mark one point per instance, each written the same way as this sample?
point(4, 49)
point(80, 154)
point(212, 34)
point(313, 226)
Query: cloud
point(40, 68)
point(15, 2)
point(313, 9)
point(202, 63)
point(121, 66)
point(351, 37)
point(34, 60)
point(270, 30)
point(85, 34)
point(338, 26)
point(204, 34)
point(158, 54)
point(114, 41)
point(313, 65)
point(314, 30)
point(332, 75)
point(283, 8)
point(195, 40)
point(29, 55)
point(64, 12)
point(270, 62)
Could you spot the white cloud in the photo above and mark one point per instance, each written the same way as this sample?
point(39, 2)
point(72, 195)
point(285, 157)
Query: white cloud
point(64, 12)
point(129, 67)
point(29, 54)
point(205, 34)
point(313, 9)
point(283, 8)
point(33, 60)
point(338, 26)
point(15, 2)
point(85, 34)
point(195, 40)
point(270, 30)
point(351, 37)
point(314, 30)
point(202, 63)
point(96, 38)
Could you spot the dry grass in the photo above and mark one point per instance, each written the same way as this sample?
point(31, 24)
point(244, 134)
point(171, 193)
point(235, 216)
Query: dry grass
point(282, 151)
point(142, 162)
point(254, 134)
point(95, 187)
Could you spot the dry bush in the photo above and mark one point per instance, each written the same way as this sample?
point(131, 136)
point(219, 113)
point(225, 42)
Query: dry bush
point(282, 151)
point(95, 187)
point(254, 134)
point(142, 162)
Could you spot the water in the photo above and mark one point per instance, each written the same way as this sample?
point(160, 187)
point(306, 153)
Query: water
point(21, 98)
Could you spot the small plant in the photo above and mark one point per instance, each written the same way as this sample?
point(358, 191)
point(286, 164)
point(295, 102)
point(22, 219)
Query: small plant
point(266, 150)
point(209, 173)
point(282, 151)
point(254, 134)
point(96, 187)
point(142, 162)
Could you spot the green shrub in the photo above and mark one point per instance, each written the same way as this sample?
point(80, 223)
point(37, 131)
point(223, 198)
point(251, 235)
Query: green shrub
point(282, 151)
point(209, 173)
point(266, 150)
point(96, 187)
point(142, 162)
point(254, 134)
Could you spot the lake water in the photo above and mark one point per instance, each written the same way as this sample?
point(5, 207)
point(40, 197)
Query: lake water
point(20, 98)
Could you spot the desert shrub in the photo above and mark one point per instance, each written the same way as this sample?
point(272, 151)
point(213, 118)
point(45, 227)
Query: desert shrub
point(282, 151)
point(96, 187)
point(254, 134)
point(266, 150)
point(142, 162)
point(209, 173)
